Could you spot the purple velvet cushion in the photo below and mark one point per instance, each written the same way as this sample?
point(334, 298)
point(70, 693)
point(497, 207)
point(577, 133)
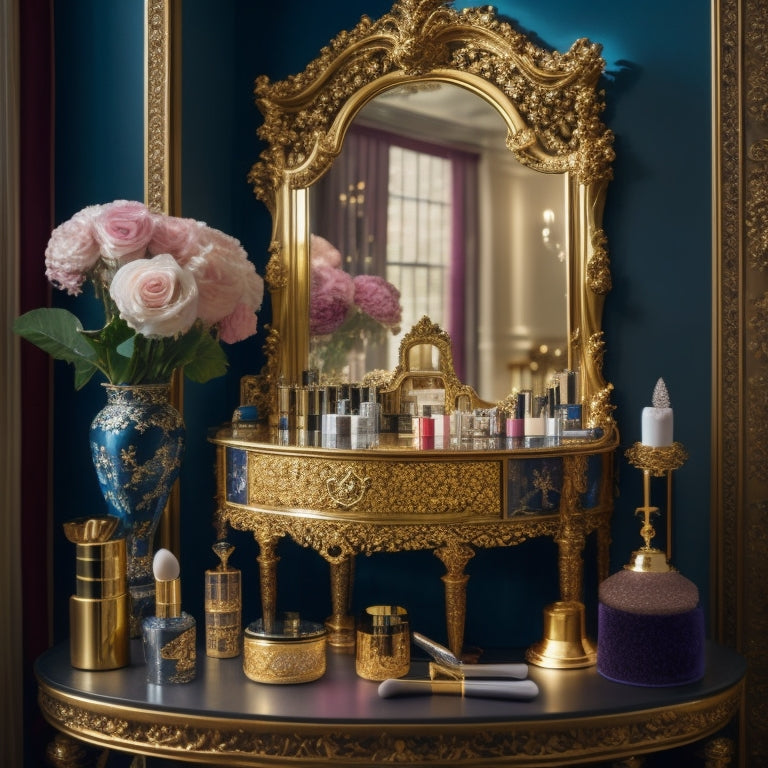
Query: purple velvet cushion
point(650, 650)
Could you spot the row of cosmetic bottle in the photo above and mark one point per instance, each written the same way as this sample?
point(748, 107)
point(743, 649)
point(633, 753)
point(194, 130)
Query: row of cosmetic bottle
point(332, 416)
point(100, 622)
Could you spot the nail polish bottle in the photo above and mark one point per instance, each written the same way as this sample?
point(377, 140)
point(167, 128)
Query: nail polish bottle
point(170, 635)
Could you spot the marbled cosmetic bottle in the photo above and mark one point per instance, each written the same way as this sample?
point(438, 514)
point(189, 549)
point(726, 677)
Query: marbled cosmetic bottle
point(170, 635)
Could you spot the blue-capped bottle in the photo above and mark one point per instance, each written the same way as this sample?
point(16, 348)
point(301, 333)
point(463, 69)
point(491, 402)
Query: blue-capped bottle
point(170, 636)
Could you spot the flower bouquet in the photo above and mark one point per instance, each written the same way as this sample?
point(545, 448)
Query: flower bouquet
point(346, 313)
point(171, 288)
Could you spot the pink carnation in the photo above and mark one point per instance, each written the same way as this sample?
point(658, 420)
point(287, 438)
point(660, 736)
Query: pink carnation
point(179, 237)
point(72, 251)
point(322, 253)
point(239, 325)
point(331, 295)
point(379, 299)
point(225, 277)
point(123, 229)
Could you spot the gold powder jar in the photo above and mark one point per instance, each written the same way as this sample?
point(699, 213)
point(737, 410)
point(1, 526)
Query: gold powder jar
point(286, 650)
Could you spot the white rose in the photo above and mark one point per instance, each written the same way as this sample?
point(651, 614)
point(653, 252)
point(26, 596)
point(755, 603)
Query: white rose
point(156, 296)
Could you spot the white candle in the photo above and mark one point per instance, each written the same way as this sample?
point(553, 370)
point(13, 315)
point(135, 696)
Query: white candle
point(657, 421)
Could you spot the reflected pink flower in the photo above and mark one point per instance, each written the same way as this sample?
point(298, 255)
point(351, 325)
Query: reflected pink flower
point(379, 299)
point(322, 253)
point(332, 293)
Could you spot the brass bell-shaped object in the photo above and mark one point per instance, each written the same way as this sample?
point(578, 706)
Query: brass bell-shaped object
point(565, 645)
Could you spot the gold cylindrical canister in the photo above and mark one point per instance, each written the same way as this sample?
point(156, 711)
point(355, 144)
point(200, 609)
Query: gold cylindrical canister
point(98, 634)
point(223, 607)
point(383, 647)
point(99, 611)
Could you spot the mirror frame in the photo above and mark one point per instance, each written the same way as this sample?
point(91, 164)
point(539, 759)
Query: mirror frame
point(549, 101)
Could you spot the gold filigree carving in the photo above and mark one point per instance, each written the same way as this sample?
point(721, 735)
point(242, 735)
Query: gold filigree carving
point(212, 740)
point(657, 461)
point(599, 265)
point(554, 91)
point(347, 488)
point(389, 487)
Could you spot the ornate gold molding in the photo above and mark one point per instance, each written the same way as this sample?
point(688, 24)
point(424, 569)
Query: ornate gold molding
point(552, 109)
point(162, 165)
point(740, 446)
point(254, 742)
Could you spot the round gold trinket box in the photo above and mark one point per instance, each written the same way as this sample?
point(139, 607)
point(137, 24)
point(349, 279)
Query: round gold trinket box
point(287, 650)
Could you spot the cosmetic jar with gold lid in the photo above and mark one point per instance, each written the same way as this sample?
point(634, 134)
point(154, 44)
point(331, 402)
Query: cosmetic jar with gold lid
point(223, 606)
point(285, 650)
point(99, 609)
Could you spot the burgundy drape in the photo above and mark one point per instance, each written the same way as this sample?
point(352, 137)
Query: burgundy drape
point(36, 212)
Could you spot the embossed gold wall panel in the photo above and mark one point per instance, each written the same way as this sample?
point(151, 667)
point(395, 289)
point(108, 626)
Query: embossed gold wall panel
point(740, 436)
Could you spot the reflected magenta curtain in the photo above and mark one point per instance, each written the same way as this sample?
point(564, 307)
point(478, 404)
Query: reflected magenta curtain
point(359, 231)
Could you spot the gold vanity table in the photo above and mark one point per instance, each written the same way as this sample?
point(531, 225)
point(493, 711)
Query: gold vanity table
point(222, 718)
point(343, 503)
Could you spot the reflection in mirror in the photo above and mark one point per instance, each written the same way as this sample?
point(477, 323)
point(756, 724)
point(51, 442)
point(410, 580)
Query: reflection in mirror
point(426, 195)
point(495, 311)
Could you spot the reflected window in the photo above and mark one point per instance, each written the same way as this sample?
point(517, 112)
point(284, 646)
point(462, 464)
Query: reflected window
point(405, 209)
point(418, 237)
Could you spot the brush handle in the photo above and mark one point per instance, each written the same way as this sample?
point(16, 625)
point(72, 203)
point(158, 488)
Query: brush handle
point(517, 690)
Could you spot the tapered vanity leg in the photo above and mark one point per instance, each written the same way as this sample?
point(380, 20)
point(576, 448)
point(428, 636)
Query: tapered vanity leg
point(340, 625)
point(571, 538)
point(268, 560)
point(455, 558)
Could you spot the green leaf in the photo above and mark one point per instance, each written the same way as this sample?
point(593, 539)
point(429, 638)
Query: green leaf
point(60, 333)
point(57, 332)
point(209, 362)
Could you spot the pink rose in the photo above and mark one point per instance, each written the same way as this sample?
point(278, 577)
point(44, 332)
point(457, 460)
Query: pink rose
point(321, 252)
point(156, 296)
point(239, 325)
point(72, 251)
point(379, 299)
point(331, 295)
point(123, 229)
point(224, 277)
point(179, 237)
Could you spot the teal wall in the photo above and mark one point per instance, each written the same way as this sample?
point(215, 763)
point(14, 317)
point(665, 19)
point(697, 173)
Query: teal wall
point(657, 219)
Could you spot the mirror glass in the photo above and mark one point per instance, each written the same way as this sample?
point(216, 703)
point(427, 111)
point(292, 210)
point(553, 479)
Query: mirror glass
point(426, 195)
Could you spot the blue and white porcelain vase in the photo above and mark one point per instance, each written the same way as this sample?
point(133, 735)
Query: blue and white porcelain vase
point(137, 445)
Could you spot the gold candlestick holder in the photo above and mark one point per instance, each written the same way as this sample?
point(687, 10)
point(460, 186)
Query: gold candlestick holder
point(654, 462)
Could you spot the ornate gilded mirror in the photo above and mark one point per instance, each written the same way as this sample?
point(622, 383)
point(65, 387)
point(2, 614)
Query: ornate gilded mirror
point(542, 109)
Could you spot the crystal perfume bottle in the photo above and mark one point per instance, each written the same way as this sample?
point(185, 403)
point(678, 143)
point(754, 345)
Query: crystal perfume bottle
point(170, 635)
point(223, 606)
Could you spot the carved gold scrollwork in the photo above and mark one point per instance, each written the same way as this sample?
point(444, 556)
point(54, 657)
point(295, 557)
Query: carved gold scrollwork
point(347, 488)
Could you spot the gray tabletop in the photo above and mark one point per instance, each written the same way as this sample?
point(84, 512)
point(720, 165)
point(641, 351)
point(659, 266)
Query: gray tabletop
point(221, 690)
